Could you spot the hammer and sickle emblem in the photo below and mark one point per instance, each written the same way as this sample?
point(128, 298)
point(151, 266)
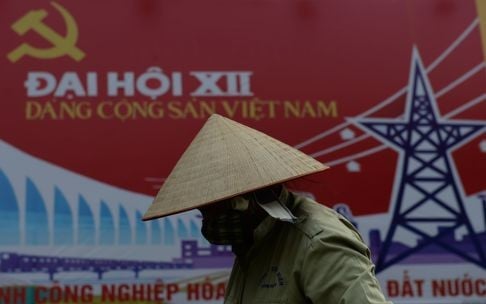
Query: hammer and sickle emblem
point(61, 46)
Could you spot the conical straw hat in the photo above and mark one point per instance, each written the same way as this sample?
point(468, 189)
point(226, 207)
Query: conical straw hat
point(227, 159)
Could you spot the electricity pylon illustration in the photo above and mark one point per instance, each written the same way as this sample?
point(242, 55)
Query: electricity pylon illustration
point(427, 195)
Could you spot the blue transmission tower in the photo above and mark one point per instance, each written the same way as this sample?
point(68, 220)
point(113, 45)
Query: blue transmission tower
point(427, 200)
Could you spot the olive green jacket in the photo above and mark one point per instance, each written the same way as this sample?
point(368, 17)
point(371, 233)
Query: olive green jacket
point(319, 259)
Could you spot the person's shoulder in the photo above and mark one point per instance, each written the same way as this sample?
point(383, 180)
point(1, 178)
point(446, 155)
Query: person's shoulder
point(315, 219)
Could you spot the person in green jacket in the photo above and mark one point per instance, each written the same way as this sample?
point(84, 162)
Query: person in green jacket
point(289, 248)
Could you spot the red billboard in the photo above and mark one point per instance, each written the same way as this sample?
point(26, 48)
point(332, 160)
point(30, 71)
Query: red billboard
point(99, 100)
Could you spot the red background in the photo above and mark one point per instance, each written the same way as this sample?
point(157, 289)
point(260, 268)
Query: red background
point(354, 52)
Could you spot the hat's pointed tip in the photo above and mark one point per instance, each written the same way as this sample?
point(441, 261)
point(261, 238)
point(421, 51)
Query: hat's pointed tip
point(215, 115)
point(216, 118)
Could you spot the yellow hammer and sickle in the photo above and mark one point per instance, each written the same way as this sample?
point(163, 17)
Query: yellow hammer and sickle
point(61, 46)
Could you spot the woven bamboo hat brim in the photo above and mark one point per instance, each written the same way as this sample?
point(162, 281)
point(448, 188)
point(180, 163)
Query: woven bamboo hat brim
point(224, 160)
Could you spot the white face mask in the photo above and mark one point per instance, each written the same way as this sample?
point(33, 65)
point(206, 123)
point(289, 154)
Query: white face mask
point(278, 211)
point(275, 206)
